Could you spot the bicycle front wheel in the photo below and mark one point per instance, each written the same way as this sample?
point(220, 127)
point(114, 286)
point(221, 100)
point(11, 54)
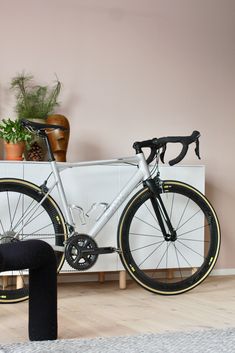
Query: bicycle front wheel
point(27, 214)
point(162, 265)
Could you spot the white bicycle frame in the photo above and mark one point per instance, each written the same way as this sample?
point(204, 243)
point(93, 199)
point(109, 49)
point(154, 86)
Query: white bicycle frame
point(142, 174)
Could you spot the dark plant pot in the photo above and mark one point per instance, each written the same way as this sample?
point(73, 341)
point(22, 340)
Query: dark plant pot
point(41, 145)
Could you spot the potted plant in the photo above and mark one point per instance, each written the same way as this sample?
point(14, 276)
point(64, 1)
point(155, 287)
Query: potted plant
point(34, 101)
point(15, 138)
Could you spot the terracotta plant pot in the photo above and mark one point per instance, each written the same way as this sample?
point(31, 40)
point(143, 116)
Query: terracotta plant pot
point(14, 151)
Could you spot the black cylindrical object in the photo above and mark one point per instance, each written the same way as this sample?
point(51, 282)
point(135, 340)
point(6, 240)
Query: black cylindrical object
point(39, 257)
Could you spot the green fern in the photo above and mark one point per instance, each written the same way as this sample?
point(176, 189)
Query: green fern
point(34, 101)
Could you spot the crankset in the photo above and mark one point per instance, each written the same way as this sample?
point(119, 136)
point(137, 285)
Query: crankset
point(81, 251)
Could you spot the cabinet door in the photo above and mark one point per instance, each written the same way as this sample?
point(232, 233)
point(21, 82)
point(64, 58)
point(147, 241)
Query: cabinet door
point(12, 170)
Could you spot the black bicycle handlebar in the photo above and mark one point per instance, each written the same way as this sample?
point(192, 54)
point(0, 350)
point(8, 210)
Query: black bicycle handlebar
point(156, 144)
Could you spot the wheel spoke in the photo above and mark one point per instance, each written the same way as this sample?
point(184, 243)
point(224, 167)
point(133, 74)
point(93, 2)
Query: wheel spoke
point(179, 268)
point(2, 227)
point(178, 225)
point(193, 230)
point(188, 247)
point(154, 217)
point(147, 257)
point(20, 220)
point(147, 246)
point(9, 208)
point(190, 265)
point(146, 235)
point(166, 251)
point(30, 220)
point(150, 225)
point(188, 219)
point(16, 208)
point(197, 240)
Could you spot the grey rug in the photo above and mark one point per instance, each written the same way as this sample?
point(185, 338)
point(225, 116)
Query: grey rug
point(204, 341)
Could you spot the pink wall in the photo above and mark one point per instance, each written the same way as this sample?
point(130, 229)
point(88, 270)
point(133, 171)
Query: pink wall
point(134, 69)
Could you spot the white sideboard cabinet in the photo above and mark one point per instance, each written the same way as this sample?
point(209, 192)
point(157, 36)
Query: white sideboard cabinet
point(86, 186)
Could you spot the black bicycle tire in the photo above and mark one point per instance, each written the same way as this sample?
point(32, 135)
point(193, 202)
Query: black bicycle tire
point(52, 209)
point(123, 240)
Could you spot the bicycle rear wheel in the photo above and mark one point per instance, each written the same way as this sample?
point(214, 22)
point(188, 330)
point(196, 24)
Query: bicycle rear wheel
point(165, 266)
point(25, 214)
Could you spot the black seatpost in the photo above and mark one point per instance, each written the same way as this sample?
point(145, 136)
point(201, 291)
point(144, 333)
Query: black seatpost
point(44, 136)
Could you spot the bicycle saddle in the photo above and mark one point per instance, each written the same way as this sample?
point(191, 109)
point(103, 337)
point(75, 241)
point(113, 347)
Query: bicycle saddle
point(39, 126)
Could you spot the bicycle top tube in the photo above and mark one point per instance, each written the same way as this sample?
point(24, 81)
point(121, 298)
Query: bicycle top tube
point(118, 161)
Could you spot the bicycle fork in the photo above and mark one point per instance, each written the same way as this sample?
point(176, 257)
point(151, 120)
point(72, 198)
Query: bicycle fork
point(160, 211)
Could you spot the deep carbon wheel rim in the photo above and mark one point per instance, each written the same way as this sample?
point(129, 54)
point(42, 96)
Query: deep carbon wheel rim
point(166, 287)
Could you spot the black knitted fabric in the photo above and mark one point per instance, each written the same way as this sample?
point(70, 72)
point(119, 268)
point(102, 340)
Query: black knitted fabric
point(39, 257)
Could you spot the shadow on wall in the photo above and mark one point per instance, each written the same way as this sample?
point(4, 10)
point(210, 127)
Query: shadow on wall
point(212, 192)
point(1, 141)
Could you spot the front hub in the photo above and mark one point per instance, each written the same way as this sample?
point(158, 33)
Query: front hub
point(171, 237)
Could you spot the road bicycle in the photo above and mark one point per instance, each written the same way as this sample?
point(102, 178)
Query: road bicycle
point(168, 237)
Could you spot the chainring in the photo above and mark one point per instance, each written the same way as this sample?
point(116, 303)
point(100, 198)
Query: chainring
point(74, 255)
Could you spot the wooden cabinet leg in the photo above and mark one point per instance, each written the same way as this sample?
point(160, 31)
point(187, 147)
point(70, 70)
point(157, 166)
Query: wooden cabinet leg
point(101, 277)
point(194, 269)
point(4, 282)
point(19, 282)
point(170, 274)
point(122, 279)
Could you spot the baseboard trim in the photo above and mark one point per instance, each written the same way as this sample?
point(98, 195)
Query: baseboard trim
point(73, 277)
point(223, 272)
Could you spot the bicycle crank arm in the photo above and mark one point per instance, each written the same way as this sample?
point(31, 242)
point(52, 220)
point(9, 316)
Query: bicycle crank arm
point(99, 251)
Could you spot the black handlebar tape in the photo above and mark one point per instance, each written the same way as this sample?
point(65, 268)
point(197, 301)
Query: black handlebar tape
point(195, 135)
point(178, 139)
point(185, 141)
point(157, 143)
point(146, 144)
point(180, 156)
point(142, 144)
point(151, 156)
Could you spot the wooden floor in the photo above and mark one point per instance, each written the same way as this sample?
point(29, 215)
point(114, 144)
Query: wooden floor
point(94, 309)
